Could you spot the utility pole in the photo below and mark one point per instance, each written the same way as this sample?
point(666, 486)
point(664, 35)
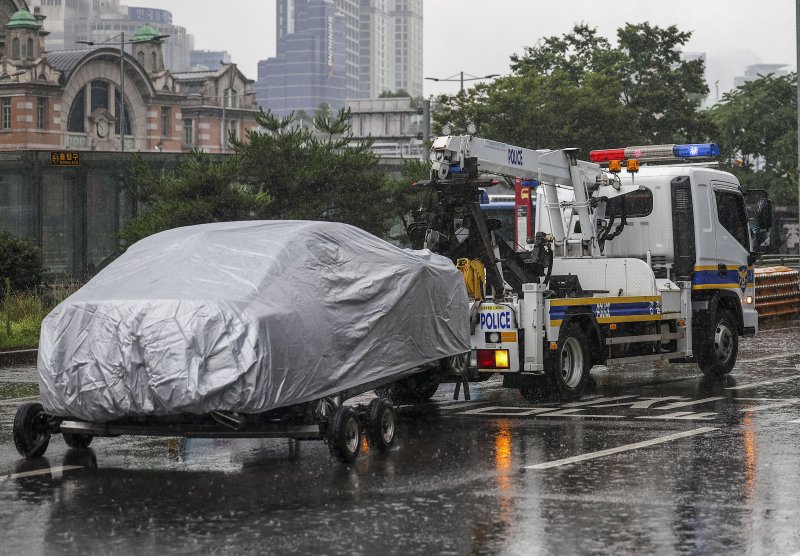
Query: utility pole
point(122, 90)
point(797, 41)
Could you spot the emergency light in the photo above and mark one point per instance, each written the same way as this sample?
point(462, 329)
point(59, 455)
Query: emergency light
point(656, 152)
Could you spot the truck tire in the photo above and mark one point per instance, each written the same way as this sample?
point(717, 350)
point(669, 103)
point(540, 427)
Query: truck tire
point(31, 436)
point(568, 366)
point(381, 424)
point(720, 352)
point(344, 434)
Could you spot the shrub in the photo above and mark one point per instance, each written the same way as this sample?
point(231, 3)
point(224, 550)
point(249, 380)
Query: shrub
point(20, 261)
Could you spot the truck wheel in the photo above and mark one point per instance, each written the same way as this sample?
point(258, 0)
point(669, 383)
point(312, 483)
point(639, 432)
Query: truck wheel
point(569, 365)
point(344, 434)
point(30, 431)
point(77, 441)
point(381, 424)
point(719, 356)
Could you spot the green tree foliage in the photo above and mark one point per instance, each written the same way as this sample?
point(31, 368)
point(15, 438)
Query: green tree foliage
point(757, 134)
point(203, 189)
point(579, 90)
point(20, 261)
point(317, 174)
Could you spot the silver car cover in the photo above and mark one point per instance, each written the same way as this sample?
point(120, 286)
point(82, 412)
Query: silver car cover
point(248, 317)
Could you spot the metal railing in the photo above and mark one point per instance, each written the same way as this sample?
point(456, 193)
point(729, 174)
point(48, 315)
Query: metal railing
point(779, 260)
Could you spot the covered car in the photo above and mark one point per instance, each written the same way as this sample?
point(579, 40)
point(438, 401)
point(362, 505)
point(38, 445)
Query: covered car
point(247, 317)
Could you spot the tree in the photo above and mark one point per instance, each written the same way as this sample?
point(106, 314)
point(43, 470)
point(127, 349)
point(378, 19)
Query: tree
point(757, 135)
point(319, 174)
point(203, 189)
point(580, 91)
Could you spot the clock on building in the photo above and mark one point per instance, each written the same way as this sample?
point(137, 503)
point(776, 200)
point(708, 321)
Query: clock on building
point(102, 128)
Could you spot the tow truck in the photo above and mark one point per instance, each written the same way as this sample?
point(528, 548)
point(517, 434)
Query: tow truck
point(626, 261)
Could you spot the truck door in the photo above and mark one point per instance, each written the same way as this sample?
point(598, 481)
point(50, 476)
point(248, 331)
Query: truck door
point(733, 243)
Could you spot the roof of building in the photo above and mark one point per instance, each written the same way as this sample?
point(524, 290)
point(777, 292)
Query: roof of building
point(22, 19)
point(145, 33)
point(66, 60)
point(188, 76)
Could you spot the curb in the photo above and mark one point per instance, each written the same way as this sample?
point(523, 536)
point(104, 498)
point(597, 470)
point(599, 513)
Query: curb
point(18, 357)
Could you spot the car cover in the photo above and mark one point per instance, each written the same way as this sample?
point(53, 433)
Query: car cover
point(248, 317)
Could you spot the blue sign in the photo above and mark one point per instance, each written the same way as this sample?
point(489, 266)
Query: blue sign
point(150, 15)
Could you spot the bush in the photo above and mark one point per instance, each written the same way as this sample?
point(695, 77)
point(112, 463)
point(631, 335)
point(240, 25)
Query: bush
point(20, 261)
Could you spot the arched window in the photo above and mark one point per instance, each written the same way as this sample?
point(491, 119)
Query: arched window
point(140, 57)
point(153, 62)
point(15, 53)
point(29, 53)
point(76, 123)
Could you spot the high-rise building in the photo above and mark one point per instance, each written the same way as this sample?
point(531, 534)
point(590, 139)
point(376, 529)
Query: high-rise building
point(208, 59)
point(309, 68)
point(382, 52)
point(755, 71)
point(375, 74)
point(70, 21)
point(406, 27)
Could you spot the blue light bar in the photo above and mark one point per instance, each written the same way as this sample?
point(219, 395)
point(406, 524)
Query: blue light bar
point(529, 183)
point(700, 150)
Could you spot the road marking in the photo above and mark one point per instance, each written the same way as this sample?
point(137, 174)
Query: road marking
point(645, 403)
point(676, 405)
point(764, 383)
point(594, 401)
point(493, 411)
point(47, 471)
point(16, 400)
point(620, 449)
point(796, 421)
point(687, 415)
point(778, 356)
point(786, 403)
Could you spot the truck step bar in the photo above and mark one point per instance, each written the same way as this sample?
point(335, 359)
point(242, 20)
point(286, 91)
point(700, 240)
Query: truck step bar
point(646, 338)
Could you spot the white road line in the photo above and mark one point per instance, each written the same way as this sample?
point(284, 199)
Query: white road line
point(47, 471)
point(793, 401)
point(764, 383)
point(676, 405)
point(619, 449)
point(16, 400)
point(594, 401)
point(796, 421)
point(685, 415)
point(778, 356)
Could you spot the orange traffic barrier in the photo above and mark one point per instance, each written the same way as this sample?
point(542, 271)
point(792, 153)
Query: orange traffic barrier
point(777, 291)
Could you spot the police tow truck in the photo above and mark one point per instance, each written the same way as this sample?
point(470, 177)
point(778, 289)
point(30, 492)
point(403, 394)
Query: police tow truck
point(624, 262)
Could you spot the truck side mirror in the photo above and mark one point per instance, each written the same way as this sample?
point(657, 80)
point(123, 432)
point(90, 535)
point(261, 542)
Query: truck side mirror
point(765, 214)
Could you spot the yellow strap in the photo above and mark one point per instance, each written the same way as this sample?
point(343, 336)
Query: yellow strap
point(474, 276)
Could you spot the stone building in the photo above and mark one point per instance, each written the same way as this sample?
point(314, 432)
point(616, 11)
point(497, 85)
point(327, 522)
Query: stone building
point(81, 104)
point(89, 99)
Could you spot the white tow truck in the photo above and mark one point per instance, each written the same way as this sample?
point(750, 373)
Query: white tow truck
point(625, 263)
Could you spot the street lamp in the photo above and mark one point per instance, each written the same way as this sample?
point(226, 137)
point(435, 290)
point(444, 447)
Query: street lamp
point(122, 44)
point(460, 78)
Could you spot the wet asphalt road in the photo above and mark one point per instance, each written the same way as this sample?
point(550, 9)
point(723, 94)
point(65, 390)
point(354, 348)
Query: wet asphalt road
point(655, 461)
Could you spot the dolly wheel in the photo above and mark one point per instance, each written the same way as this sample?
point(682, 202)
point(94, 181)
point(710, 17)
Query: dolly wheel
point(30, 430)
point(77, 441)
point(344, 434)
point(381, 424)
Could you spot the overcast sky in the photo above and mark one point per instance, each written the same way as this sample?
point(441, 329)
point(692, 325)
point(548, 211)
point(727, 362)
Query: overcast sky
point(479, 36)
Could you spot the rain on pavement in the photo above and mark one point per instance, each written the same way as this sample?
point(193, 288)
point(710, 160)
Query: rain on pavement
point(655, 459)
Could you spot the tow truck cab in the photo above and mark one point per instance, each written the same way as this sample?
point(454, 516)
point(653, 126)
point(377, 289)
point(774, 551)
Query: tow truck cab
point(690, 225)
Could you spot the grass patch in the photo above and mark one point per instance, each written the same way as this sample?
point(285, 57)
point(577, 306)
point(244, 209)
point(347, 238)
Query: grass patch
point(21, 315)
